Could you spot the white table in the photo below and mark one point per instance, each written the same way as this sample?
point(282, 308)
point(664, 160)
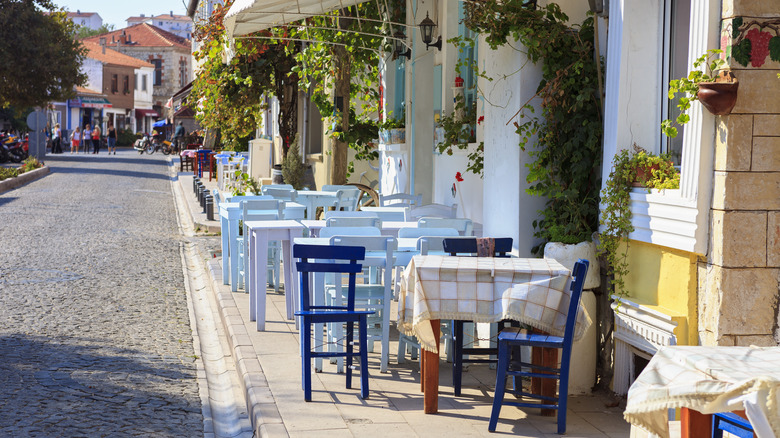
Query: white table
point(229, 215)
point(260, 232)
point(316, 198)
point(389, 228)
point(394, 213)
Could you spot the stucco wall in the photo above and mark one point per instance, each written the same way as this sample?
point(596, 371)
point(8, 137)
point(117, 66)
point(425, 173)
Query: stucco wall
point(740, 280)
point(94, 71)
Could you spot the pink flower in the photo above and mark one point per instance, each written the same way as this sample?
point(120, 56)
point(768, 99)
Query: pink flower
point(458, 177)
point(480, 120)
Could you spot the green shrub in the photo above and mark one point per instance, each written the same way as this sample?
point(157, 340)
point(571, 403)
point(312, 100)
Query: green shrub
point(126, 137)
point(292, 166)
point(8, 172)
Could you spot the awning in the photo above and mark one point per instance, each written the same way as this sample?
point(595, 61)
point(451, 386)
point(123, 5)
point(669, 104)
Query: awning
point(160, 123)
point(90, 102)
point(247, 16)
point(146, 113)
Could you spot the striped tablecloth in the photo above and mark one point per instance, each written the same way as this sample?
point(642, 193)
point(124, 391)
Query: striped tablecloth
point(708, 380)
point(484, 289)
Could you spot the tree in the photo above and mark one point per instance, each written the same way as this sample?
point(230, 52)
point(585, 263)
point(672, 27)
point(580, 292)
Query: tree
point(86, 32)
point(41, 59)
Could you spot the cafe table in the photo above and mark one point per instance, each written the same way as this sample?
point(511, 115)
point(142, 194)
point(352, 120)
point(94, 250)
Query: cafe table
point(260, 233)
point(706, 380)
point(316, 198)
point(532, 291)
point(229, 215)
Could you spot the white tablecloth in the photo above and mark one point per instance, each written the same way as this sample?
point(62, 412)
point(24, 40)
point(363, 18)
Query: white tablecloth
point(708, 380)
point(484, 289)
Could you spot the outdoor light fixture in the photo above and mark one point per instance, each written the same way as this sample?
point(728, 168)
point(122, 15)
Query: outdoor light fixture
point(398, 46)
point(426, 29)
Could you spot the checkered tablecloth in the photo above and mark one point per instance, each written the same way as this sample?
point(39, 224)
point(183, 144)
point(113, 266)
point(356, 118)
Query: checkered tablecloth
point(484, 289)
point(708, 380)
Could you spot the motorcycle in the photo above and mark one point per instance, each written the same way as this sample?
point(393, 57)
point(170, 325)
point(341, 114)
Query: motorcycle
point(142, 144)
point(12, 149)
point(158, 144)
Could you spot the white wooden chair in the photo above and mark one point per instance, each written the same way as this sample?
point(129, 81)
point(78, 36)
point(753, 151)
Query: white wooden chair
point(400, 199)
point(434, 210)
point(258, 210)
point(354, 222)
point(464, 226)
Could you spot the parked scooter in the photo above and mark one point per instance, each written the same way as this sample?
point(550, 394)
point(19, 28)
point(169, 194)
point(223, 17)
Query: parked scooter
point(142, 144)
point(12, 149)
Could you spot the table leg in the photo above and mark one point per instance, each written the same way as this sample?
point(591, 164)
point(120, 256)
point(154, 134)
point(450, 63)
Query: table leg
point(225, 250)
point(232, 235)
point(430, 372)
point(261, 283)
point(547, 357)
point(289, 283)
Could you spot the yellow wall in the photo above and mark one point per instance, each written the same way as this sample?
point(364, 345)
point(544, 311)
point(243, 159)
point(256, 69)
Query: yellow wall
point(320, 164)
point(665, 279)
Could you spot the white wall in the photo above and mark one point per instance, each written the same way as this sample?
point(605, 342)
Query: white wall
point(94, 71)
point(508, 211)
point(468, 194)
point(143, 99)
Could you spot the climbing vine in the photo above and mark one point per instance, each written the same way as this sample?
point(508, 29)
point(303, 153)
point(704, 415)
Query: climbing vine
point(565, 140)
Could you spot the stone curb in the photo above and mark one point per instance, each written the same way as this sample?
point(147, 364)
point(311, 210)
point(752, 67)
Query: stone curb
point(12, 183)
point(261, 406)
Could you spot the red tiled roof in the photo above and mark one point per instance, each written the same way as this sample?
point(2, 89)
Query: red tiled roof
point(144, 35)
point(81, 14)
point(82, 90)
point(112, 56)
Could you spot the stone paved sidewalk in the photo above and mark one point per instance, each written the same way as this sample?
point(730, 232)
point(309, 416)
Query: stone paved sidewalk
point(95, 336)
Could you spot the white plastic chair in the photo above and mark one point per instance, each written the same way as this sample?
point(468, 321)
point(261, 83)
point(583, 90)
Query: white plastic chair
point(434, 210)
point(421, 232)
point(258, 210)
point(335, 213)
point(354, 222)
point(464, 226)
point(371, 296)
point(400, 199)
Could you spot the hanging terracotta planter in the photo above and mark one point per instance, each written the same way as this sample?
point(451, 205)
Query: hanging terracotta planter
point(719, 97)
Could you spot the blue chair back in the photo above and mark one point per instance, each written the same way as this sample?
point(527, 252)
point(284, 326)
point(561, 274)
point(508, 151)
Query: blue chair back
point(328, 259)
point(578, 274)
point(468, 245)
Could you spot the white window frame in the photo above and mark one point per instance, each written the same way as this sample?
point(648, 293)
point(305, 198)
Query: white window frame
point(672, 218)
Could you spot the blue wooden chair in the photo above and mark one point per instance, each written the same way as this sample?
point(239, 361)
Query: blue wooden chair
point(513, 337)
point(461, 354)
point(731, 423)
point(337, 260)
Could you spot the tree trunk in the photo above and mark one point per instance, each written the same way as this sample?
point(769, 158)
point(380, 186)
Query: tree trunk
point(287, 93)
point(339, 149)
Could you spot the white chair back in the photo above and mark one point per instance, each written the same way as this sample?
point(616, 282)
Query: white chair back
point(420, 232)
point(231, 198)
point(464, 226)
point(281, 193)
point(434, 210)
point(388, 214)
point(353, 222)
point(429, 244)
point(349, 231)
point(335, 213)
point(400, 199)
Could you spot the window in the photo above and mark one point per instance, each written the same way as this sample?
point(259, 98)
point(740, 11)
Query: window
point(677, 24)
point(468, 55)
point(114, 84)
point(157, 71)
point(135, 83)
point(143, 82)
point(182, 73)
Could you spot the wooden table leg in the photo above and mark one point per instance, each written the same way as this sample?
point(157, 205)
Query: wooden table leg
point(694, 424)
point(429, 368)
point(547, 357)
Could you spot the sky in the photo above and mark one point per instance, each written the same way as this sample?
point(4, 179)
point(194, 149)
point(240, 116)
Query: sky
point(117, 11)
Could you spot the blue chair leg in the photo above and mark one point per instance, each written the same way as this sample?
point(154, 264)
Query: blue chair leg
point(350, 348)
point(563, 395)
point(306, 345)
point(501, 370)
point(363, 328)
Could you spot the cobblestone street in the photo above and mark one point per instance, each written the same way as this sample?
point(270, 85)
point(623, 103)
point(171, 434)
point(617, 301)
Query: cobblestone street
point(95, 337)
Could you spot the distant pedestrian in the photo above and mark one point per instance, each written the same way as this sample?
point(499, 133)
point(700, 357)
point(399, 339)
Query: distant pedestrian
point(178, 136)
point(86, 135)
point(96, 140)
point(112, 138)
point(75, 139)
point(56, 143)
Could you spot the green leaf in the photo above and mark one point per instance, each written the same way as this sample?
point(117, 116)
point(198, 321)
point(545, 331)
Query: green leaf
point(741, 52)
point(735, 23)
point(683, 119)
point(774, 49)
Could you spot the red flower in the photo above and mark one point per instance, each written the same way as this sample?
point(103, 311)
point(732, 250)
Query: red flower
point(458, 81)
point(480, 120)
point(458, 177)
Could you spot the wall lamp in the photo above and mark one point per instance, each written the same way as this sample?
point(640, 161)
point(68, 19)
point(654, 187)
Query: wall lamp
point(426, 30)
point(398, 46)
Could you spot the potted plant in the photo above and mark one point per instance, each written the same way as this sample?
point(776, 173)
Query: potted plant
point(459, 130)
point(392, 131)
point(650, 171)
point(293, 169)
point(717, 92)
